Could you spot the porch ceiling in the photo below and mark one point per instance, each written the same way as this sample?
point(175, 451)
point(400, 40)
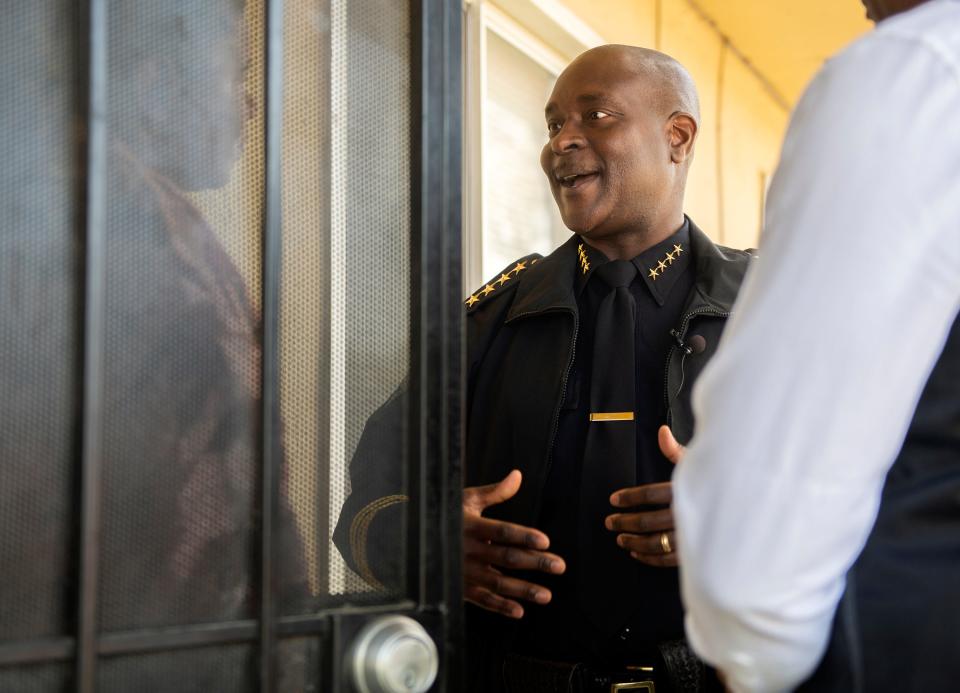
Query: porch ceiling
point(787, 40)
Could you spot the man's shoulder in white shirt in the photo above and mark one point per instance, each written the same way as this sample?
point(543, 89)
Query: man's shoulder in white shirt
point(938, 18)
point(796, 430)
point(935, 25)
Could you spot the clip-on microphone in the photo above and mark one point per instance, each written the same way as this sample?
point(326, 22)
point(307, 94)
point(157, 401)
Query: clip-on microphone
point(695, 345)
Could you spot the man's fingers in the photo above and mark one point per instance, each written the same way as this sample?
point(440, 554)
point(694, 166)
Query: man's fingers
point(504, 585)
point(669, 446)
point(485, 599)
point(639, 523)
point(500, 532)
point(476, 498)
point(648, 494)
point(648, 548)
point(648, 544)
point(670, 560)
point(513, 557)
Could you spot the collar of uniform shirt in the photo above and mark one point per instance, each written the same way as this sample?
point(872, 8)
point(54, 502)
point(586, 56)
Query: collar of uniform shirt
point(659, 266)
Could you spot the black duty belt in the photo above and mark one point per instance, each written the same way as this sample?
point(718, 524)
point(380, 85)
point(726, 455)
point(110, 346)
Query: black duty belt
point(677, 670)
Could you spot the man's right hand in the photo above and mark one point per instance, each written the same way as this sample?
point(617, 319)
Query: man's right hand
point(490, 545)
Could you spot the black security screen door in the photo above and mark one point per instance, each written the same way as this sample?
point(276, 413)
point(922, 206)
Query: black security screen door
point(229, 233)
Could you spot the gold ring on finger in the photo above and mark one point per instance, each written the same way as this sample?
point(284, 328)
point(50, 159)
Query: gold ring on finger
point(665, 542)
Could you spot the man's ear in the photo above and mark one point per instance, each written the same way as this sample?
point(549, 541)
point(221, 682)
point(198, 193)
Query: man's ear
point(682, 130)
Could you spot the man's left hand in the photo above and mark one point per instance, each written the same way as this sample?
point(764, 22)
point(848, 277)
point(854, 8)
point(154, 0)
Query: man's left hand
point(649, 535)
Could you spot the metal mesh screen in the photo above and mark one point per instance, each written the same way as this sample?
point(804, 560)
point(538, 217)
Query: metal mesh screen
point(38, 319)
point(346, 301)
point(229, 669)
point(36, 678)
point(299, 666)
point(182, 344)
point(375, 106)
point(304, 331)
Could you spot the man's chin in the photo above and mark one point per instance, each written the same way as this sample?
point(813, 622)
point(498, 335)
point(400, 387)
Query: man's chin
point(579, 224)
point(578, 230)
point(588, 231)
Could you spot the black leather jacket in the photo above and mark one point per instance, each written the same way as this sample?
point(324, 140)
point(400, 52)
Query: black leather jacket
point(521, 339)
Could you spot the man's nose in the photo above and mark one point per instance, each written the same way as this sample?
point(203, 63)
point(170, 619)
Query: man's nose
point(569, 138)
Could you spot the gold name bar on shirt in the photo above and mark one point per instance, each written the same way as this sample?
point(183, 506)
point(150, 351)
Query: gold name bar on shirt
point(612, 416)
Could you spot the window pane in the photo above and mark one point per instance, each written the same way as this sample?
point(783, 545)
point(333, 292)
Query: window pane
point(520, 216)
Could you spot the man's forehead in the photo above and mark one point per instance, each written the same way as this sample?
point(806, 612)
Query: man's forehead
point(589, 98)
point(618, 87)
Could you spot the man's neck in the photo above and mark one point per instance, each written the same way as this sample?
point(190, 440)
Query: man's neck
point(889, 8)
point(627, 244)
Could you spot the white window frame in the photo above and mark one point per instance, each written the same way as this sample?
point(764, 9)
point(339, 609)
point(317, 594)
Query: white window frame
point(549, 34)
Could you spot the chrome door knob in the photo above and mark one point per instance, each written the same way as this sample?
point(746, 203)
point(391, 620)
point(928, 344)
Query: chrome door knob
point(393, 654)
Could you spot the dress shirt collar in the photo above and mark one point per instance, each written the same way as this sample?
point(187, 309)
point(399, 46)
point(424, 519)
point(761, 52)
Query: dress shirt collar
point(551, 283)
point(659, 266)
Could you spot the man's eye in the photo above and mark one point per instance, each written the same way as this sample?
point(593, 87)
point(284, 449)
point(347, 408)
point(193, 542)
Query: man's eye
point(553, 127)
point(598, 115)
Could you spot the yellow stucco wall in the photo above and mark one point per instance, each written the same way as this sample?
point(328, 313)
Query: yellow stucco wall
point(742, 124)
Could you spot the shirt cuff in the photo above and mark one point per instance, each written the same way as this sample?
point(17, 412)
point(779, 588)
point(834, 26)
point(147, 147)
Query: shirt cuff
point(738, 668)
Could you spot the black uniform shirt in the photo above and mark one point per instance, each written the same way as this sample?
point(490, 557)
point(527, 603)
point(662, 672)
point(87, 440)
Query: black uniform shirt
point(560, 631)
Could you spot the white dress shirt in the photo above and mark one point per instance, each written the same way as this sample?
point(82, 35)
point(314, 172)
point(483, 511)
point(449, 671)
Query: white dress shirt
point(805, 406)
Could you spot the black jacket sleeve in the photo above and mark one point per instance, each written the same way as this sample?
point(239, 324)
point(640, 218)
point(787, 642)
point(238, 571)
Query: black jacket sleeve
point(371, 530)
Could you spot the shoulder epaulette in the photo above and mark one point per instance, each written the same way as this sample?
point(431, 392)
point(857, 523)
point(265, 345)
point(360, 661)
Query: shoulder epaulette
point(508, 275)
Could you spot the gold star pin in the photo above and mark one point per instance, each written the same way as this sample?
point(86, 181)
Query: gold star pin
point(677, 249)
point(520, 267)
point(504, 278)
point(487, 290)
point(584, 263)
point(661, 265)
point(670, 258)
point(473, 299)
point(653, 274)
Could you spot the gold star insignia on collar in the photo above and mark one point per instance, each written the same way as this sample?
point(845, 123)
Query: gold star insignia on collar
point(584, 263)
point(504, 278)
point(473, 299)
point(662, 265)
point(487, 290)
point(520, 267)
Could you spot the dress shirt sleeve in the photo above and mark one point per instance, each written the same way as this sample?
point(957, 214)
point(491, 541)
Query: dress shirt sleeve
point(805, 406)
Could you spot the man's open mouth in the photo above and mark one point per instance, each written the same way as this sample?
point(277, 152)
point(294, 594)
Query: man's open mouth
point(576, 180)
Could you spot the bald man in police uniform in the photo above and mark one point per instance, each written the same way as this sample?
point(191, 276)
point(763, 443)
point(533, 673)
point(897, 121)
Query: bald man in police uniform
point(580, 366)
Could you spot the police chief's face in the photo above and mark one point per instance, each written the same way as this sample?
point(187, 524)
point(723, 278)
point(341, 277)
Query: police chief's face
point(608, 155)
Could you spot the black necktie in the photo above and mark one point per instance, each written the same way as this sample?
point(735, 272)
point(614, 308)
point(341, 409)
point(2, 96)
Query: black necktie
point(607, 573)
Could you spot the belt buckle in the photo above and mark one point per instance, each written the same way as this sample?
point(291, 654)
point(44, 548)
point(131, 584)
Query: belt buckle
point(635, 686)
